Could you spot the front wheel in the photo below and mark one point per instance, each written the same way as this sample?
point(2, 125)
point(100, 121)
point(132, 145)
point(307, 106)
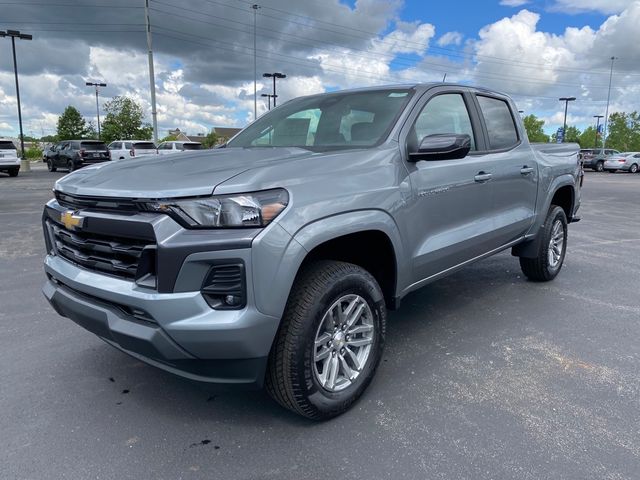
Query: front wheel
point(551, 252)
point(330, 340)
point(599, 167)
point(50, 166)
point(71, 166)
point(633, 168)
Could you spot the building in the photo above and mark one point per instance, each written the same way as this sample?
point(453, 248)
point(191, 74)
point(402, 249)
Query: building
point(223, 133)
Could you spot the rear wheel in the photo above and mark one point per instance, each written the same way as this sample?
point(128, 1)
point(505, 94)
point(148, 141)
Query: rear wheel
point(599, 167)
point(633, 168)
point(51, 166)
point(330, 340)
point(13, 172)
point(552, 249)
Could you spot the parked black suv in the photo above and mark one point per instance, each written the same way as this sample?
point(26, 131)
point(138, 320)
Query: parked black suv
point(72, 154)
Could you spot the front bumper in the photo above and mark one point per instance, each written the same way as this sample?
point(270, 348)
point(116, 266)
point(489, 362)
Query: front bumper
point(171, 326)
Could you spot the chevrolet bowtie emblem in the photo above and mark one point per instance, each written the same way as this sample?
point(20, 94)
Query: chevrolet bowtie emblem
point(71, 221)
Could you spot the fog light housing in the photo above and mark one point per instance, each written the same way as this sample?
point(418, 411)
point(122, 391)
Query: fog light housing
point(224, 287)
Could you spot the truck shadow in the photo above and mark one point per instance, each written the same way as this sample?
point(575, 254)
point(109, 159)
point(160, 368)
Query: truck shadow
point(430, 319)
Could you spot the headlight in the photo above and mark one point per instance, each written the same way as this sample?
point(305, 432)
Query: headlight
point(256, 209)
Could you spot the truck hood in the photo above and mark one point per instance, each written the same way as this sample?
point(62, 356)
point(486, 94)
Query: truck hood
point(167, 176)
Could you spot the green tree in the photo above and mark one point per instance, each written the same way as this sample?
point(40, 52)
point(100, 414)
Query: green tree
point(572, 135)
point(534, 129)
point(169, 138)
point(587, 139)
point(210, 140)
point(71, 125)
point(49, 139)
point(123, 121)
point(624, 131)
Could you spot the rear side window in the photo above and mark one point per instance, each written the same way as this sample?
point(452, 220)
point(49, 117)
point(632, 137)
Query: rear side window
point(93, 146)
point(144, 146)
point(499, 121)
point(4, 145)
point(191, 146)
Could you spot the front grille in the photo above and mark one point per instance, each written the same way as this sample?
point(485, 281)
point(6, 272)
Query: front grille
point(96, 203)
point(123, 257)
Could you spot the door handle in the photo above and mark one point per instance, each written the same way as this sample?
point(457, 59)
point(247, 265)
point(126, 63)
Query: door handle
point(482, 177)
point(526, 170)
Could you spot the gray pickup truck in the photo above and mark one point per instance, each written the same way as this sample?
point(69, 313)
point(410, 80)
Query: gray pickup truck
point(273, 261)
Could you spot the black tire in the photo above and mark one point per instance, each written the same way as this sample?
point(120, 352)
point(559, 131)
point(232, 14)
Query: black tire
point(71, 166)
point(539, 268)
point(51, 166)
point(291, 378)
point(612, 171)
point(13, 172)
point(633, 168)
point(599, 166)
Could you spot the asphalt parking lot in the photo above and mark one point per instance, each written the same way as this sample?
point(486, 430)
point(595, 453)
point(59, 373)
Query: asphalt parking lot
point(485, 376)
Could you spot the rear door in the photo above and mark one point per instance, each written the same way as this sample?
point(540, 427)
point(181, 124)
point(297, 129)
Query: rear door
point(515, 173)
point(450, 216)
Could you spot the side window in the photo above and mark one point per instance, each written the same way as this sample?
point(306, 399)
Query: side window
point(127, 145)
point(499, 121)
point(445, 113)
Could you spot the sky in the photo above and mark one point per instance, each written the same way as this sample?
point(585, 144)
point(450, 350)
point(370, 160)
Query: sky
point(534, 50)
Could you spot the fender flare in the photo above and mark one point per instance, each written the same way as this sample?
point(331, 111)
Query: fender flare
point(530, 248)
point(281, 271)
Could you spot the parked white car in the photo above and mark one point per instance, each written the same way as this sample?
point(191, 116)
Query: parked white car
point(122, 149)
point(9, 160)
point(626, 161)
point(166, 148)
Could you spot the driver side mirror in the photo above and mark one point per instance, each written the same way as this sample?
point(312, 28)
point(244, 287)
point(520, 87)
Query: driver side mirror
point(442, 146)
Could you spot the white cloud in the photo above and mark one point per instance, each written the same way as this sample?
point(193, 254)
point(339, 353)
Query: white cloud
point(578, 6)
point(513, 3)
point(450, 38)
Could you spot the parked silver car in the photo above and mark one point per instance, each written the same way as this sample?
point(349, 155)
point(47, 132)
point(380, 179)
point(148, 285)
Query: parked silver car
point(626, 161)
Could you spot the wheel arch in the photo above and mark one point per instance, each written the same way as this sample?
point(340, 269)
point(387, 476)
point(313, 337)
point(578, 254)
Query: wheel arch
point(368, 238)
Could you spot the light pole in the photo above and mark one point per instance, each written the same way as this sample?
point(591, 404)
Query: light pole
point(606, 114)
point(152, 75)
point(255, 8)
point(566, 101)
point(597, 117)
point(90, 84)
point(274, 76)
point(24, 164)
point(268, 95)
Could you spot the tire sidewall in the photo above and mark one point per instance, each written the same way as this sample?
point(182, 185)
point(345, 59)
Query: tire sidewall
point(332, 403)
point(556, 213)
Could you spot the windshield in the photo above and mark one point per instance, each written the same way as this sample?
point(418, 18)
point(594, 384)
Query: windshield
point(337, 120)
point(93, 146)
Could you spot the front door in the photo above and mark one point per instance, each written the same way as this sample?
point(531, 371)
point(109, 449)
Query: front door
point(450, 216)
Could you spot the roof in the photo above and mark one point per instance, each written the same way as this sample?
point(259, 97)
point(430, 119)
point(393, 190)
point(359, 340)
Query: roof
point(226, 132)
